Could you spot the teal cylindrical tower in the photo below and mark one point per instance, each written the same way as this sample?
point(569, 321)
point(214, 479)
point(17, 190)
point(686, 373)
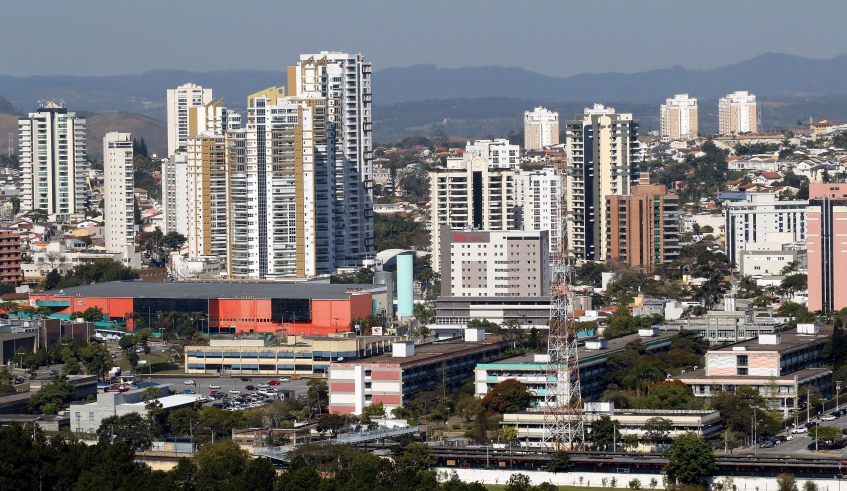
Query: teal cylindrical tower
point(405, 284)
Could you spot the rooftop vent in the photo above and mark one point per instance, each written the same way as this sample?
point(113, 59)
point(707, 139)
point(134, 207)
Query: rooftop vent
point(599, 344)
point(739, 348)
point(770, 339)
point(809, 328)
point(403, 350)
point(649, 332)
point(474, 335)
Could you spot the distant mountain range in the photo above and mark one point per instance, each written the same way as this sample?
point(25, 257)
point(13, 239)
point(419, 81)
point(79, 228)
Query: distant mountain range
point(475, 101)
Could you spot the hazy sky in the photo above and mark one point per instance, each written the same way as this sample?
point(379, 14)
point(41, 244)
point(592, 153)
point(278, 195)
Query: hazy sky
point(559, 38)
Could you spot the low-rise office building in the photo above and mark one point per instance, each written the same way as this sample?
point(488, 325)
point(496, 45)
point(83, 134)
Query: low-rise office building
point(530, 424)
point(86, 418)
point(297, 356)
point(396, 378)
point(531, 370)
point(776, 364)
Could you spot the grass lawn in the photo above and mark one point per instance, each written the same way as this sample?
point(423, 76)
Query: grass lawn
point(153, 357)
point(501, 487)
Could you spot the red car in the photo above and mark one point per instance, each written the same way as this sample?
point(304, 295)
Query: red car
point(273, 382)
point(213, 393)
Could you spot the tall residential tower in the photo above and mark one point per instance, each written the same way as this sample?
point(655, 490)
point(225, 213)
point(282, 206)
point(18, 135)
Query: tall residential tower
point(179, 101)
point(541, 128)
point(679, 118)
point(737, 113)
point(119, 197)
point(53, 160)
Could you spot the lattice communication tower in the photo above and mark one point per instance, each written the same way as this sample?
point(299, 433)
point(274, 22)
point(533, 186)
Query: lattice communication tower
point(563, 413)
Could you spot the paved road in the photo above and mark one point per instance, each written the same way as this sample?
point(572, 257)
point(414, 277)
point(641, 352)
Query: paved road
point(801, 441)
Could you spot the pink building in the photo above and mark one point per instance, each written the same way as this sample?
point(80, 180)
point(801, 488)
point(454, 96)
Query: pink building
point(827, 252)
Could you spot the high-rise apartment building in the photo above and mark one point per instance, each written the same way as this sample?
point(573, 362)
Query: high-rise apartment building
point(603, 154)
point(499, 153)
point(206, 190)
point(53, 159)
point(737, 113)
point(678, 118)
point(174, 195)
point(643, 227)
point(827, 258)
point(537, 201)
point(10, 256)
point(338, 86)
point(760, 214)
point(514, 263)
point(179, 101)
point(541, 128)
point(470, 193)
point(119, 196)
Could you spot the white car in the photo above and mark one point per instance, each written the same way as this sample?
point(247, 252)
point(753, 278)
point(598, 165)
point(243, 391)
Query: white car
point(283, 379)
point(263, 386)
point(800, 429)
point(188, 382)
point(828, 417)
point(234, 391)
point(214, 386)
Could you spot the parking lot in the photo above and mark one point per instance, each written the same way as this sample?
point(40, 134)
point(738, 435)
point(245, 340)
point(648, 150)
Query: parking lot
point(800, 442)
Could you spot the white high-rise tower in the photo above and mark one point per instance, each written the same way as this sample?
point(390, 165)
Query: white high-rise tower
point(179, 101)
point(118, 196)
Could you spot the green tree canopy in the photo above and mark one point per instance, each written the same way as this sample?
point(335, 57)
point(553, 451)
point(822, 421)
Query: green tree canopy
point(507, 396)
point(690, 459)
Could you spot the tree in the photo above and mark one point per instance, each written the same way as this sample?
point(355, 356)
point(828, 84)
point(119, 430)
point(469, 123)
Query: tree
point(519, 482)
point(466, 407)
point(620, 323)
point(657, 430)
point(317, 393)
point(794, 283)
point(58, 392)
point(417, 457)
point(508, 396)
point(218, 462)
point(133, 429)
point(835, 349)
point(786, 482)
point(690, 459)
point(173, 240)
point(51, 280)
point(670, 395)
point(604, 433)
point(97, 359)
point(373, 411)
point(825, 434)
point(331, 423)
point(71, 367)
point(560, 461)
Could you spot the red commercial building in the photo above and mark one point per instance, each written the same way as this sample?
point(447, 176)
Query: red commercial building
point(308, 308)
point(10, 256)
point(826, 217)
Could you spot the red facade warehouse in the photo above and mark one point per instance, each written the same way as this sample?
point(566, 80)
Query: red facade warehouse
point(308, 308)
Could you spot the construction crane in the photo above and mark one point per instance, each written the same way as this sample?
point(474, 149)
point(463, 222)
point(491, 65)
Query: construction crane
point(564, 427)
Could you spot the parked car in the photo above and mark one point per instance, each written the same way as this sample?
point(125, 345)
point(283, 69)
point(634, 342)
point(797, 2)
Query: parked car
point(263, 386)
point(815, 446)
point(186, 391)
point(767, 445)
point(246, 379)
point(800, 429)
point(273, 382)
point(214, 386)
point(828, 417)
point(810, 424)
point(234, 391)
point(188, 382)
point(250, 387)
point(283, 379)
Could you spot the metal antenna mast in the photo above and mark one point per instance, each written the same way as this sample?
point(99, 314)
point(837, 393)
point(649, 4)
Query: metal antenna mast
point(563, 414)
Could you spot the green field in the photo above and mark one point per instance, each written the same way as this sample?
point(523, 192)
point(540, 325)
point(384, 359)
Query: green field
point(153, 357)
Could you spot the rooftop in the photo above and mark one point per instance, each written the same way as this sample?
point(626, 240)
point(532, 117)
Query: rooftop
point(789, 340)
point(169, 401)
point(214, 289)
point(692, 376)
point(431, 351)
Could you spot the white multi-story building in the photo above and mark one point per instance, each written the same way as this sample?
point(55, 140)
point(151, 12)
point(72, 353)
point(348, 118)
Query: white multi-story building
point(678, 117)
point(174, 195)
point(759, 216)
point(737, 113)
point(603, 154)
point(470, 193)
point(119, 197)
point(499, 153)
point(53, 157)
point(179, 100)
point(513, 263)
point(342, 136)
point(541, 128)
point(537, 200)
point(206, 190)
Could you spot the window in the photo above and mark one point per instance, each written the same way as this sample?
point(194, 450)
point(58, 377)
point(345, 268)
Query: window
point(742, 371)
point(742, 360)
point(91, 416)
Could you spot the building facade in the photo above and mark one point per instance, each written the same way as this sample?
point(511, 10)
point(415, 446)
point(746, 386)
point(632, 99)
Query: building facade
point(678, 118)
point(206, 195)
point(603, 154)
point(10, 256)
point(174, 197)
point(643, 228)
point(499, 153)
point(118, 197)
point(470, 193)
point(494, 263)
point(538, 202)
point(758, 216)
point(179, 101)
point(827, 256)
point(53, 156)
point(737, 113)
point(541, 128)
